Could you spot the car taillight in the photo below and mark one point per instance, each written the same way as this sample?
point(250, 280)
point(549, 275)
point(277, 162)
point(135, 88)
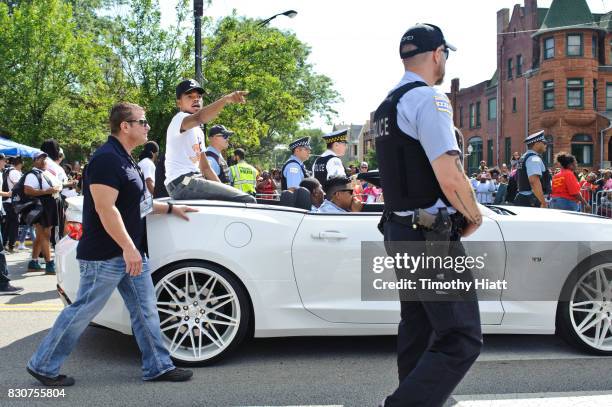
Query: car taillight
point(74, 230)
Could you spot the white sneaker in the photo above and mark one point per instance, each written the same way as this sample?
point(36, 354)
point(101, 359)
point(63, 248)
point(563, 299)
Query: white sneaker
point(22, 246)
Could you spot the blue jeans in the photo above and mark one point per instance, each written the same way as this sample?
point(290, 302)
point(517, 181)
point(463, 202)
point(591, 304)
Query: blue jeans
point(23, 231)
point(565, 204)
point(98, 281)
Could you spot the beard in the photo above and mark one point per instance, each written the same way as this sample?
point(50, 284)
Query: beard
point(441, 71)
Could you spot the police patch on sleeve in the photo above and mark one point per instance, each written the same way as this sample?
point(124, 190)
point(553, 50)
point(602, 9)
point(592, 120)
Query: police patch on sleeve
point(293, 170)
point(442, 104)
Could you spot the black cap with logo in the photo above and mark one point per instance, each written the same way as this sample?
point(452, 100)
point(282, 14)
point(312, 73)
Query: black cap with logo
point(187, 86)
point(426, 37)
point(221, 130)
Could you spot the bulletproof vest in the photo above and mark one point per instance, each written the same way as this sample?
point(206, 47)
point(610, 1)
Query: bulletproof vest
point(407, 178)
point(224, 173)
point(319, 168)
point(284, 179)
point(523, 178)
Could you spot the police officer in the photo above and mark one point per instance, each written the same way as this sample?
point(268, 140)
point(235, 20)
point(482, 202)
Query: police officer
point(329, 163)
point(294, 171)
point(422, 174)
point(533, 178)
point(243, 175)
point(218, 138)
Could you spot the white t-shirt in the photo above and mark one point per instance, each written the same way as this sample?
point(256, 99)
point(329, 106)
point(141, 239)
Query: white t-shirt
point(13, 177)
point(55, 172)
point(148, 169)
point(183, 150)
point(31, 180)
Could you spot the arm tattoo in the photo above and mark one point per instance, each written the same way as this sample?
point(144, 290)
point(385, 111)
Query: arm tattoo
point(459, 165)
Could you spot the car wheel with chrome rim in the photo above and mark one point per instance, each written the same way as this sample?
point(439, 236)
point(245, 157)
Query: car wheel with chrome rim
point(203, 310)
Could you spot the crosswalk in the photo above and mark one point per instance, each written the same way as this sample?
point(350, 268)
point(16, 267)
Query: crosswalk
point(34, 307)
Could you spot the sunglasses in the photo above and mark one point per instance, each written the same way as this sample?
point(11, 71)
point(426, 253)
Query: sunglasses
point(446, 52)
point(142, 122)
point(225, 136)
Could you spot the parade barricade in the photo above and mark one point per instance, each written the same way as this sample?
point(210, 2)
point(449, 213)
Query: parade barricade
point(601, 203)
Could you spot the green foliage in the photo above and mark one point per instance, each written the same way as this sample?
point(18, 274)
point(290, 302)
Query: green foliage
point(371, 159)
point(64, 63)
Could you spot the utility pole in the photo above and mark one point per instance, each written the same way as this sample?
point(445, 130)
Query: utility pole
point(198, 12)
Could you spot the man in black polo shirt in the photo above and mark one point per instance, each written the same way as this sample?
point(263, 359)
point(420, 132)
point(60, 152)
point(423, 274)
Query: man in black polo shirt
point(110, 255)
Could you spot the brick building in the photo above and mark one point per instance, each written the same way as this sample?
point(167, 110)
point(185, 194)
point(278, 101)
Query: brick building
point(554, 73)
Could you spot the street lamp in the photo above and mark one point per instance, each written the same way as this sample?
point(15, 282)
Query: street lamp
point(288, 13)
point(198, 12)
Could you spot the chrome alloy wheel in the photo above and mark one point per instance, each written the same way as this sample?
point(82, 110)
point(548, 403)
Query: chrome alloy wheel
point(199, 313)
point(590, 308)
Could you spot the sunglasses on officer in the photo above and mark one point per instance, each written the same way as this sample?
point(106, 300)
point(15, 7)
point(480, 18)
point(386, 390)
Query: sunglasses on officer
point(142, 122)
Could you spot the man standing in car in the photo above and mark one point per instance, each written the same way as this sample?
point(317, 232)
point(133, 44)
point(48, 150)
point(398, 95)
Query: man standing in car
point(111, 255)
point(422, 177)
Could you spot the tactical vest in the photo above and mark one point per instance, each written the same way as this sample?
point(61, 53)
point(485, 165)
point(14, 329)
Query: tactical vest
point(407, 178)
point(523, 178)
point(319, 168)
point(224, 173)
point(284, 179)
point(244, 176)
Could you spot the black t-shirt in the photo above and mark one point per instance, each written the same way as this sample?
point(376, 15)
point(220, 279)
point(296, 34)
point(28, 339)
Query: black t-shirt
point(111, 165)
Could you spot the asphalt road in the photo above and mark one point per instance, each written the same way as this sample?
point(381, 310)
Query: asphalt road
point(338, 371)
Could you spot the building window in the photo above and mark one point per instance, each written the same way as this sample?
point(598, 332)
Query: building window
point(594, 47)
point(461, 116)
point(477, 114)
point(508, 150)
point(575, 93)
point(582, 149)
point(492, 109)
point(513, 105)
point(549, 48)
point(574, 45)
point(609, 96)
point(475, 157)
point(519, 65)
point(548, 95)
point(472, 116)
point(595, 94)
point(509, 68)
point(489, 153)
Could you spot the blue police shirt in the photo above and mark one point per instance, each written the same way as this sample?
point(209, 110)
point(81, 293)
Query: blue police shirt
point(112, 166)
point(426, 115)
point(213, 164)
point(330, 207)
point(534, 166)
point(293, 173)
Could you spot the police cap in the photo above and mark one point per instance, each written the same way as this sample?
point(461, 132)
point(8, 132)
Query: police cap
point(535, 137)
point(336, 136)
point(301, 142)
point(426, 37)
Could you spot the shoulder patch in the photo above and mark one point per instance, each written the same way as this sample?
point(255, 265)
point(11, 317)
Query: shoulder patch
point(293, 169)
point(535, 159)
point(442, 104)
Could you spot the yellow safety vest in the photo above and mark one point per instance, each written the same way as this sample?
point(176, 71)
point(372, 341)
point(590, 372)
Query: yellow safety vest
point(244, 177)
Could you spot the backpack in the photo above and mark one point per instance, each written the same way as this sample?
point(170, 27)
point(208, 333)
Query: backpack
point(5, 174)
point(23, 203)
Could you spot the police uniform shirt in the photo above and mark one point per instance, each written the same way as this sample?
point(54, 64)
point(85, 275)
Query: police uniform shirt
point(213, 164)
point(293, 172)
point(426, 114)
point(335, 168)
point(535, 166)
point(330, 207)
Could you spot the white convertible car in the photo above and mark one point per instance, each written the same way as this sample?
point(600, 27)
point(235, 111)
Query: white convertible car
point(238, 270)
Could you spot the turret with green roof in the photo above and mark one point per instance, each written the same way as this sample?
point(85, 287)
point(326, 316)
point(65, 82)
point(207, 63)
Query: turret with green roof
point(567, 14)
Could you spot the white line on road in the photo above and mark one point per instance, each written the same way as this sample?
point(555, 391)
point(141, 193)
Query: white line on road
point(573, 399)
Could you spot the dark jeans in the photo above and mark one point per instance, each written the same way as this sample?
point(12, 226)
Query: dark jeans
point(437, 341)
point(527, 200)
point(200, 188)
point(3, 269)
point(11, 225)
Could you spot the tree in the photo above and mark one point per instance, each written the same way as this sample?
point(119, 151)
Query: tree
point(49, 76)
point(272, 65)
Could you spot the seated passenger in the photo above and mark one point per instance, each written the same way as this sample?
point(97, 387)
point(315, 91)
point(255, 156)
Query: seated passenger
point(339, 197)
point(188, 172)
point(316, 192)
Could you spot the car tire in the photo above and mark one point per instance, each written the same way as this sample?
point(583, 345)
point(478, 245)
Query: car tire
point(204, 312)
point(584, 312)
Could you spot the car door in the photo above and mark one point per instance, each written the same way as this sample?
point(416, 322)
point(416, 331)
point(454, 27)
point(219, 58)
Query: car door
point(326, 256)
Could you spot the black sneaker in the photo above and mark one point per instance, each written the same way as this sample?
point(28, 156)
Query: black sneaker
point(57, 381)
point(8, 289)
point(174, 375)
